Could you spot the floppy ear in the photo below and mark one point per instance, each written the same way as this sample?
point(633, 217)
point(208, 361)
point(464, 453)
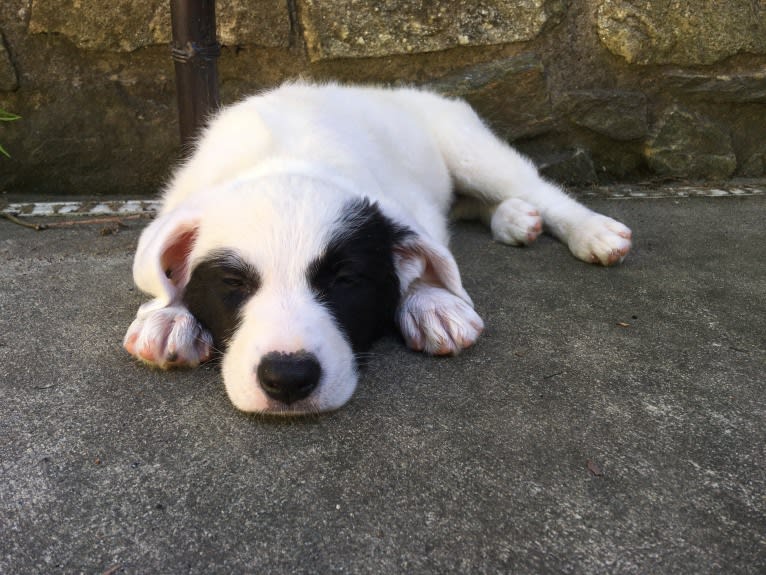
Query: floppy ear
point(417, 257)
point(161, 265)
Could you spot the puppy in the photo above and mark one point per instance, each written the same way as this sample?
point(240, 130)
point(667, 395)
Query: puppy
point(311, 219)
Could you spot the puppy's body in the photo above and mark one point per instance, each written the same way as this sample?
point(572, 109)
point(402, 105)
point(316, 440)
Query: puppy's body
point(311, 217)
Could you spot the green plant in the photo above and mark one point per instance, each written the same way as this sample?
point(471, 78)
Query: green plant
point(6, 117)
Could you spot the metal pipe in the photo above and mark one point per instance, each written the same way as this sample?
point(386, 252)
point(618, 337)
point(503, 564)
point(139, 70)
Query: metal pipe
point(195, 50)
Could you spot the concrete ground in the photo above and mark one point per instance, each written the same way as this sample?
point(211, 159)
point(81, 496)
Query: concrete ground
point(609, 421)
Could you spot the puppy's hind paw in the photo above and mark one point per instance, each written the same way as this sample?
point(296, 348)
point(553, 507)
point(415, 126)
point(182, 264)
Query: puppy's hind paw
point(168, 337)
point(600, 240)
point(516, 223)
point(437, 322)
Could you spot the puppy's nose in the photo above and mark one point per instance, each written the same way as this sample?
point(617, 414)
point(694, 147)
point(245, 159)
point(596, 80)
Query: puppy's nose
point(288, 377)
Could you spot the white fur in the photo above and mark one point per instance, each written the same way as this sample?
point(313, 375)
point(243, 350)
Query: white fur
point(270, 176)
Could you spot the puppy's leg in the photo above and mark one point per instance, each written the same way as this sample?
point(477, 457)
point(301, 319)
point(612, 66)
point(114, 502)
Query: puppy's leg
point(167, 336)
point(165, 333)
point(435, 314)
point(513, 221)
point(436, 321)
point(510, 192)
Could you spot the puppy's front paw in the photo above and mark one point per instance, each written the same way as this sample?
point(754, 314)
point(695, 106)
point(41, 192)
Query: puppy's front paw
point(515, 222)
point(600, 240)
point(168, 337)
point(435, 321)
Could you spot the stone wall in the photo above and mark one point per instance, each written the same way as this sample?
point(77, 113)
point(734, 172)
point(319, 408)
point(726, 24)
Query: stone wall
point(593, 90)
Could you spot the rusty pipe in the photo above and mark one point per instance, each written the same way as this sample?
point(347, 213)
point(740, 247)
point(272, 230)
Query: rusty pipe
point(195, 51)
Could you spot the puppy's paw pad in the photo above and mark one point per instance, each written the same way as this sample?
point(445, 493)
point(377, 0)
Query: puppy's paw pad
point(168, 337)
point(515, 222)
point(601, 240)
point(437, 322)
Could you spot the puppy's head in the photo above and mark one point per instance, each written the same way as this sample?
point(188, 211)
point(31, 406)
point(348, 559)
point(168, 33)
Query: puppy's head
point(292, 277)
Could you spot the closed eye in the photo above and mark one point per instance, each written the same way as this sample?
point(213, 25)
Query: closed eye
point(238, 278)
point(233, 281)
point(218, 287)
point(347, 277)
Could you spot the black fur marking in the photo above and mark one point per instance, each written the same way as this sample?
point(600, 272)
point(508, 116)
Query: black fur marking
point(218, 288)
point(355, 278)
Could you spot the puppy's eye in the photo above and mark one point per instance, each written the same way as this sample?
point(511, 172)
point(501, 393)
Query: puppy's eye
point(234, 289)
point(233, 281)
point(346, 277)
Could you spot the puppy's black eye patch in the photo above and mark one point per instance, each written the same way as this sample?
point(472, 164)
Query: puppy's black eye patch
point(355, 276)
point(218, 288)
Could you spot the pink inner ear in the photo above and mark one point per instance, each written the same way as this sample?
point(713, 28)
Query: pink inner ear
point(410, 265)
point(427, 261)
point(175, 258)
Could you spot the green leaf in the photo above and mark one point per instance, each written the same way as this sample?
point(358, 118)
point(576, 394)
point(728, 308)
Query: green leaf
point(7, 116)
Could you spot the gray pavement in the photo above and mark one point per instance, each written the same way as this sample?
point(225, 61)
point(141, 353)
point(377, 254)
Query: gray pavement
point(609, 421)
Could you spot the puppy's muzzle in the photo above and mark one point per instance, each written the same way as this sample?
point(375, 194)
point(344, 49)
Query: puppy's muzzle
point(289, 377)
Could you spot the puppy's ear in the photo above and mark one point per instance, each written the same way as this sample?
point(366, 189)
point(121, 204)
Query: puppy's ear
point(417, 257)
point(161, 265)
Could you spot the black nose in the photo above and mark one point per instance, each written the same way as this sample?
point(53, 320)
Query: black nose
point(288, 377)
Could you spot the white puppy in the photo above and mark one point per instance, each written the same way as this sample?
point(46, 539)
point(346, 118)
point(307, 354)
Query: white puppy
point(310, 219)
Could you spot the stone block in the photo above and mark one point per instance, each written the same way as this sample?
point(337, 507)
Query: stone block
point(754, 166)
point(358, 28)
point(620, 115)
point(688, 33)
point(9, 80)
point(126, 152)
point(574, 167)
point(685, 144)
point(738, 88)
point(257, 22)
point(108, 25)
point(510, 94)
